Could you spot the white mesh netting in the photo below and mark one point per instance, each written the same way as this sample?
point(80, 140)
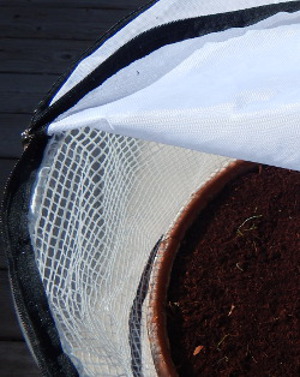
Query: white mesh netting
point(101, 203)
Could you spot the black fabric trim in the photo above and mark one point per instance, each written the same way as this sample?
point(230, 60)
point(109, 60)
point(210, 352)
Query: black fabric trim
point(28, 291)
point(152, 40)
point(29, 295)
point(98, 43)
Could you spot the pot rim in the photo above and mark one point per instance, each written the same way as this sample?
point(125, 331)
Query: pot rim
point(163, 263)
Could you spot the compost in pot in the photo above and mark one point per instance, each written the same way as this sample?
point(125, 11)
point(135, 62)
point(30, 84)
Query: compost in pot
point(232, 306)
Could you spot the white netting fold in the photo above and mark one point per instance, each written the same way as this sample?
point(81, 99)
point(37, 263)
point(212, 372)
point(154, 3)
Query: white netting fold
point(101, 203)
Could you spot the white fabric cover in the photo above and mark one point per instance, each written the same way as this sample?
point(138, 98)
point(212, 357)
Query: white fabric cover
point(109, 186)
point(162, 12)
point(234, 93)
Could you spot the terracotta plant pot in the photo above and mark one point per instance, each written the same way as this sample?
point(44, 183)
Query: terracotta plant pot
point(163, 269)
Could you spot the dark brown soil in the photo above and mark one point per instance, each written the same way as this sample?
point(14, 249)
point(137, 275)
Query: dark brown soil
point(234, 302)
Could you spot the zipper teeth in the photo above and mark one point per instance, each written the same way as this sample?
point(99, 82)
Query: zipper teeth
point(22, 316)
point(28, 136)
point(26, 331)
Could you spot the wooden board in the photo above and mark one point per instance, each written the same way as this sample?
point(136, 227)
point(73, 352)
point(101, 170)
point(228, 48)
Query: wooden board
point(39, 40)
point(16, 360)
point(22, 103)
point(11, 127)
point(36, 56)
point(23, 92)
point(92, 4)
point(26, 83)
point(6, 166)
point(9, 327)
point(19, 102)
point(83, 24)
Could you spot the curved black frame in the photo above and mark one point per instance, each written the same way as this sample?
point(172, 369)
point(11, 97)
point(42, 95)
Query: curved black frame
point(29, 295)
point(150, 41)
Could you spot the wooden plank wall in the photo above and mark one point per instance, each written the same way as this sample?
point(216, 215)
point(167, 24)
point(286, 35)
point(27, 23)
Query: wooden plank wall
point(39, 40)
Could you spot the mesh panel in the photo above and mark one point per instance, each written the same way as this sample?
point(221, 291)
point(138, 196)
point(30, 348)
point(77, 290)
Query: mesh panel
point(100, 205)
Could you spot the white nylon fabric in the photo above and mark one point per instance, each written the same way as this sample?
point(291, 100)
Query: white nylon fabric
point(100, 204)
point(146, 71)
point(125, 160)
point(238, 97)
point(162, 12)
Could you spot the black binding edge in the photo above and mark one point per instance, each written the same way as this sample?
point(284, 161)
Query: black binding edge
point(45, 102)
point(29, 296)
point(28, 291)
point(30, 300)
point(152, 40)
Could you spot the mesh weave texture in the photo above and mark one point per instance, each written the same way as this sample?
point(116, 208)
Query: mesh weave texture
point(100, 204)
